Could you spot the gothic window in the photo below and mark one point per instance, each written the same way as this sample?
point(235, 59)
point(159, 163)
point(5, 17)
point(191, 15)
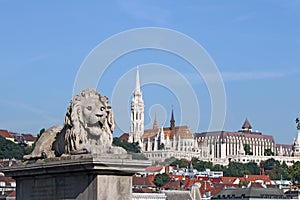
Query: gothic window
point(137, 115)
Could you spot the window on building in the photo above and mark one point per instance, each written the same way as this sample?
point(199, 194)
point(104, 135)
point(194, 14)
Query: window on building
point(2, 183)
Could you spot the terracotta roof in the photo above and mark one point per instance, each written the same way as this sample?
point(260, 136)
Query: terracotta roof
point(154, 168)
point(256, 185)
point(189, 183)
point(5, 134)
point(124, 137)
point(7, 163)
point(228, 179)
point(11, 194)
point(143, 190)
point(182, 131)
point(173, 185)
point(29, 137)
point(142, 181)
point(150, 133)
point(8, 180)
point(253, 178)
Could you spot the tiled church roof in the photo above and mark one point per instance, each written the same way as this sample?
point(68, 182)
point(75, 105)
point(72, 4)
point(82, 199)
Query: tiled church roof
point(182, 131)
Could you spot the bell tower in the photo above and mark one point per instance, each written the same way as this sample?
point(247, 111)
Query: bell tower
point(137, 113)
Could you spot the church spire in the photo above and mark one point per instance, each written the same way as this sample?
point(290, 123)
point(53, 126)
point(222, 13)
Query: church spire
point(137, 113)
point(246, 127)
point(137, 82)
point(172, 121)
point(155, 126)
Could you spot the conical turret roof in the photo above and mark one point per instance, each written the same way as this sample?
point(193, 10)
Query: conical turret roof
point(246, 125)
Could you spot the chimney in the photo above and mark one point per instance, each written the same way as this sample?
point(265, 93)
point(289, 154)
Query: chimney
point(167, 169)
point(262, 170)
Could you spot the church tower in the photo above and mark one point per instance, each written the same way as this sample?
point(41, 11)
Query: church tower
point(172, 121)
point(137, 113)
point(296, 145)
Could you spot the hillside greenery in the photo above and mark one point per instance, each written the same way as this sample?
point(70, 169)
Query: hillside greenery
point(9, 149)
point(132, 148)
point(272, 167)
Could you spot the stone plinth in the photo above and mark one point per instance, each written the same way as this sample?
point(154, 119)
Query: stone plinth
point(76, 177)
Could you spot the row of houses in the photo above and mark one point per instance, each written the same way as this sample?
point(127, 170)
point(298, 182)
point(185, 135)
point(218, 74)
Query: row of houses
point(186, 183)
point(7, 184)
point(26, 139)
point(208, 185)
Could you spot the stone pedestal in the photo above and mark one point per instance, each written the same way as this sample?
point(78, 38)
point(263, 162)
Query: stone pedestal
point(76, 177)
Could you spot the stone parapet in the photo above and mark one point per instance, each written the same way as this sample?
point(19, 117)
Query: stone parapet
point(76, 177)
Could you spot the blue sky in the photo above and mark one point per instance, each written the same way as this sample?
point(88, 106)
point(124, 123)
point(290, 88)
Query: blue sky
point(254, 44)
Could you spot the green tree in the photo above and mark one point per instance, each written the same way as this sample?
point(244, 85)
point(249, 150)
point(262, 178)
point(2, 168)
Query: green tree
point(29, 149)
point(8, 149)
point(294, 173)
point(181, 163)
point(275, 170)
point(161, 146)
point(169, 160)
point(161, 179)
point(268, 152)
point(202, 165)
point(239, 169)
point(247, 149)
point(130, 147)
point(252, 167)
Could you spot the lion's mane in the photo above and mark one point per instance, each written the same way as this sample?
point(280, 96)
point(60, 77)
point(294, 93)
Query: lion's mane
point(74, 137)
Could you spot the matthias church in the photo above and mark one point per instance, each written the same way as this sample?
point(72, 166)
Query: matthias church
point(219, 147)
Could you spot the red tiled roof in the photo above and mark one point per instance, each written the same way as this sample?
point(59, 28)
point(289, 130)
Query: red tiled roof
point(182, 131)
point(12, 194)
point(173, 185)
point(8, 180)
point(153, 169)
point(142, 181)
point(189, 183)
point(253, 178)
point(151, 178)
point(256, 185)
point(124, 137)
point(228, 179)
point(143, 190)
point(5, 134)
point(29, 137)
point(7, 163)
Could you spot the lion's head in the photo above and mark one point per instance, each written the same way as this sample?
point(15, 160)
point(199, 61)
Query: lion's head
point(89, 122)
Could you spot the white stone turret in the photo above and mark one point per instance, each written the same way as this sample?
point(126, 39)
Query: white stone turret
point(296, 146)
point(137, 113)
point(242, 150)
point(162, 136)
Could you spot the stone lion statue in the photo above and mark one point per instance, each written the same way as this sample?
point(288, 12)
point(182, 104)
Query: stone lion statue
point(88, 128)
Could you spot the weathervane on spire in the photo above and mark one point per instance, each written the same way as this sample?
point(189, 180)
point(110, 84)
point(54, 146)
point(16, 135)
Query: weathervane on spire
point(298, 123)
